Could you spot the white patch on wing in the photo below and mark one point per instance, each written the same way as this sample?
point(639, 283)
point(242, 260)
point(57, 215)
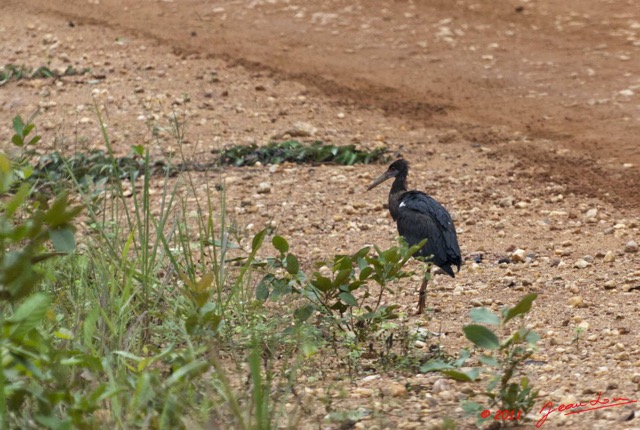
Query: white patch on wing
point(402, 204)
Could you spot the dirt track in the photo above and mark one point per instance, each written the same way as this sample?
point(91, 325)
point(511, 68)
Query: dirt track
point(566, 72)
point(520, 117)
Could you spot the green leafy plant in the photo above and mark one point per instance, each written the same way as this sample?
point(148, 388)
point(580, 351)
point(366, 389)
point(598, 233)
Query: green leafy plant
point(12, 72)
point(297, 152)
point(333, 292)
point(502, 360)
point(55, 171)
point(32, 371)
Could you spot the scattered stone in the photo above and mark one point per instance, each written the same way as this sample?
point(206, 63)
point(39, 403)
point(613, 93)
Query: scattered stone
point(631, 246)
point(591, 213)
point(518, 256)
point(395, 389)
point(506, 202)
point(581, 264)
point(576, 302)
point(264, 188)
point(609, 257)
point(441, 385)
point(302, 129)
point(370, 378)
point(362, 392)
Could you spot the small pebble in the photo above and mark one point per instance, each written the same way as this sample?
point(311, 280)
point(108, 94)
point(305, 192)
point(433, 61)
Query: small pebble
point(576, 302)
point(518, 256)
point(609, 257)
point(581, 264)
point(264, 188)
point(631, 246)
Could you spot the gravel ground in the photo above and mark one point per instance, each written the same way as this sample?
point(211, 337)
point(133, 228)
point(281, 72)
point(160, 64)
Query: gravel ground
point(577, 248)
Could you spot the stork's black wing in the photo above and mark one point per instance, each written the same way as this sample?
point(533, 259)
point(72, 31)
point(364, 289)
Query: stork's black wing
point(421, 217)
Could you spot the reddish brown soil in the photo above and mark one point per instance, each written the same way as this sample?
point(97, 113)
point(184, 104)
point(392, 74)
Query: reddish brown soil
point(521, 117)
point(546, 69)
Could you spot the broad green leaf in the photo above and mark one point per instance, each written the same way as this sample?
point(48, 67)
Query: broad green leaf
point(53, 423)
point(280, 244)
point(485, 316)
point(128, 355)
point(27, 129)
point(488, 360)
point(63, 239)
point(189, 371)
point(521, 308)
point(144, 392)
point(291, 264)
point(64, 333)
point(138, 150)
point(17, 200)
point(532, 338)
point(342, 277)
point(33, 141)
point(435, 366)
point(262, 290)
point(464, 356)
point(322, 283)
point(361, 252)
point(29, 314)
point(18, 125)
point(458, 375)
point(205, 283)
point(5, 163)
point(58, 214)
point(348, 299)
point(472, 408)
point(365, 273)
point(17, 140)
point(308, 349)
point(256, 243)
point(481, 336)
point(303, 313)
point(89, 326)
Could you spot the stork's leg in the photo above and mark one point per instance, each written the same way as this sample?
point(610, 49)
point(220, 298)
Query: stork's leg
point(422, 296)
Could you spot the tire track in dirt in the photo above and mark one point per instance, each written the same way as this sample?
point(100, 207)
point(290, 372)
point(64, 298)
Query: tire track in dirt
point(440, 109)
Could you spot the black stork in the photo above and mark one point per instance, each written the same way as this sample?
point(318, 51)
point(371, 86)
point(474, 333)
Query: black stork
point(420, 217)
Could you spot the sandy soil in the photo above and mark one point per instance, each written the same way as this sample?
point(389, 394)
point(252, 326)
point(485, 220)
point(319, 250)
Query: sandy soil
point(521, 117)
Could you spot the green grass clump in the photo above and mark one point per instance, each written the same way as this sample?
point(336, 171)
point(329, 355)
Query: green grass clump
point(297, 152)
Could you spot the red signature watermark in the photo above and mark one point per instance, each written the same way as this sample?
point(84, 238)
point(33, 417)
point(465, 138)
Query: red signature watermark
point(580, 407)
point(569, 409)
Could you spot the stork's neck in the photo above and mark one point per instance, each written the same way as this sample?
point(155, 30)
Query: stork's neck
point(398, 189)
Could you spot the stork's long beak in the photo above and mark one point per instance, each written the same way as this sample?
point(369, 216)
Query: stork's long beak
point(386, 175)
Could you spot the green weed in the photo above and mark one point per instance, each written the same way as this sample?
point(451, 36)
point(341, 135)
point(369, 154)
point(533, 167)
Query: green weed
point(13, 72)
point(297, 152)
point(501, 360)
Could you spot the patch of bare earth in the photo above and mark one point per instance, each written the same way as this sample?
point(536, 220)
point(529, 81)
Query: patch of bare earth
point(520, 118)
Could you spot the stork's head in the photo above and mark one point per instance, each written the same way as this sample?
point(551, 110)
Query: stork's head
point(399, 168)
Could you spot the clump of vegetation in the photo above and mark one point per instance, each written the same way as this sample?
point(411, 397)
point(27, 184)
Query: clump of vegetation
point(162, 319)
point(296, 152)
point(12, 72)
point(171, 317)
point(342, 291)
point(508, 390)
point(56, 171)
